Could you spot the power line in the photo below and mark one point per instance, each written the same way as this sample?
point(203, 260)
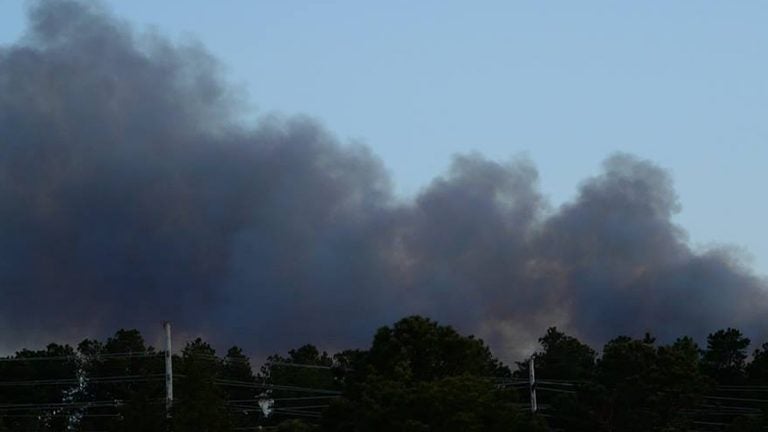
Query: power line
point(84, 381)
point(298, 398)
point(246, 384)
point(272, 363)
point(62, 405)
point(302, 365)
point(735, 399)
point(297, 413)
point(60, 415)
point(40, 358)
point(547, 389)
point(129, 354)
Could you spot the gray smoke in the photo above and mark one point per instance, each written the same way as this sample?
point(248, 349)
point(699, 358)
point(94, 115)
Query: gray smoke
point(132, 192)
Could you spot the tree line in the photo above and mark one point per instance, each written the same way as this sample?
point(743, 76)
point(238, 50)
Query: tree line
point(417, 376)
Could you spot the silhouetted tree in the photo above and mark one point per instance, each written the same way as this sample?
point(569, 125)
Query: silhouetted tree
point(420, 376)
point(295, 425)
point(236, 367)
point(302, 378)
point(200, 406)
point(725, 356)
point(563, 357)
point(127, 371)
point(637, 387)
point(757, 369)
point(417, 376)
point(61, 366)
point(418, 349)
point(305, 366)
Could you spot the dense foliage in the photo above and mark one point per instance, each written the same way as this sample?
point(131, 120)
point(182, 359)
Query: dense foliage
point(417, 376)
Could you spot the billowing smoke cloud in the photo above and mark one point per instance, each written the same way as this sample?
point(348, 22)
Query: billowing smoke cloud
point(132, 192)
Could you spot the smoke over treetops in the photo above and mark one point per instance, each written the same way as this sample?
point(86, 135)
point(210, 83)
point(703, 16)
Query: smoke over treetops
point(130, 193)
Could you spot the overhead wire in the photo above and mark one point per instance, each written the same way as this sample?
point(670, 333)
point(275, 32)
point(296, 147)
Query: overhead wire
point(85, 380)
point(248, 384)
point(128, 354)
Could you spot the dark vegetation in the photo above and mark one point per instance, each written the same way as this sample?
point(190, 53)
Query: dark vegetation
point(416, 376)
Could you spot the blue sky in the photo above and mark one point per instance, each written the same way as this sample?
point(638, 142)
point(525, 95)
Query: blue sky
point(682, 83)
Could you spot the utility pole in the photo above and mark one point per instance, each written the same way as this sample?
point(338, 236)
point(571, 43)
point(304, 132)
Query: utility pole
point(532, 384)
point(168, 370)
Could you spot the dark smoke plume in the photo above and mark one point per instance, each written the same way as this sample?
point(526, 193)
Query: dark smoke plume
point(132, 192)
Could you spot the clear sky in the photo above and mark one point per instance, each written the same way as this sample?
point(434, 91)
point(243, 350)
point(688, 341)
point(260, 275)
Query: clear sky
point(682, 83)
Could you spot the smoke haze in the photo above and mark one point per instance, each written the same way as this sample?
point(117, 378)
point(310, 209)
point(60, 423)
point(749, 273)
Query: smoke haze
point(132, 192)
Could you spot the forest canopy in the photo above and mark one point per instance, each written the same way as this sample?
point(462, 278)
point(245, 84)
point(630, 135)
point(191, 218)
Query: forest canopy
point(416, 375)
